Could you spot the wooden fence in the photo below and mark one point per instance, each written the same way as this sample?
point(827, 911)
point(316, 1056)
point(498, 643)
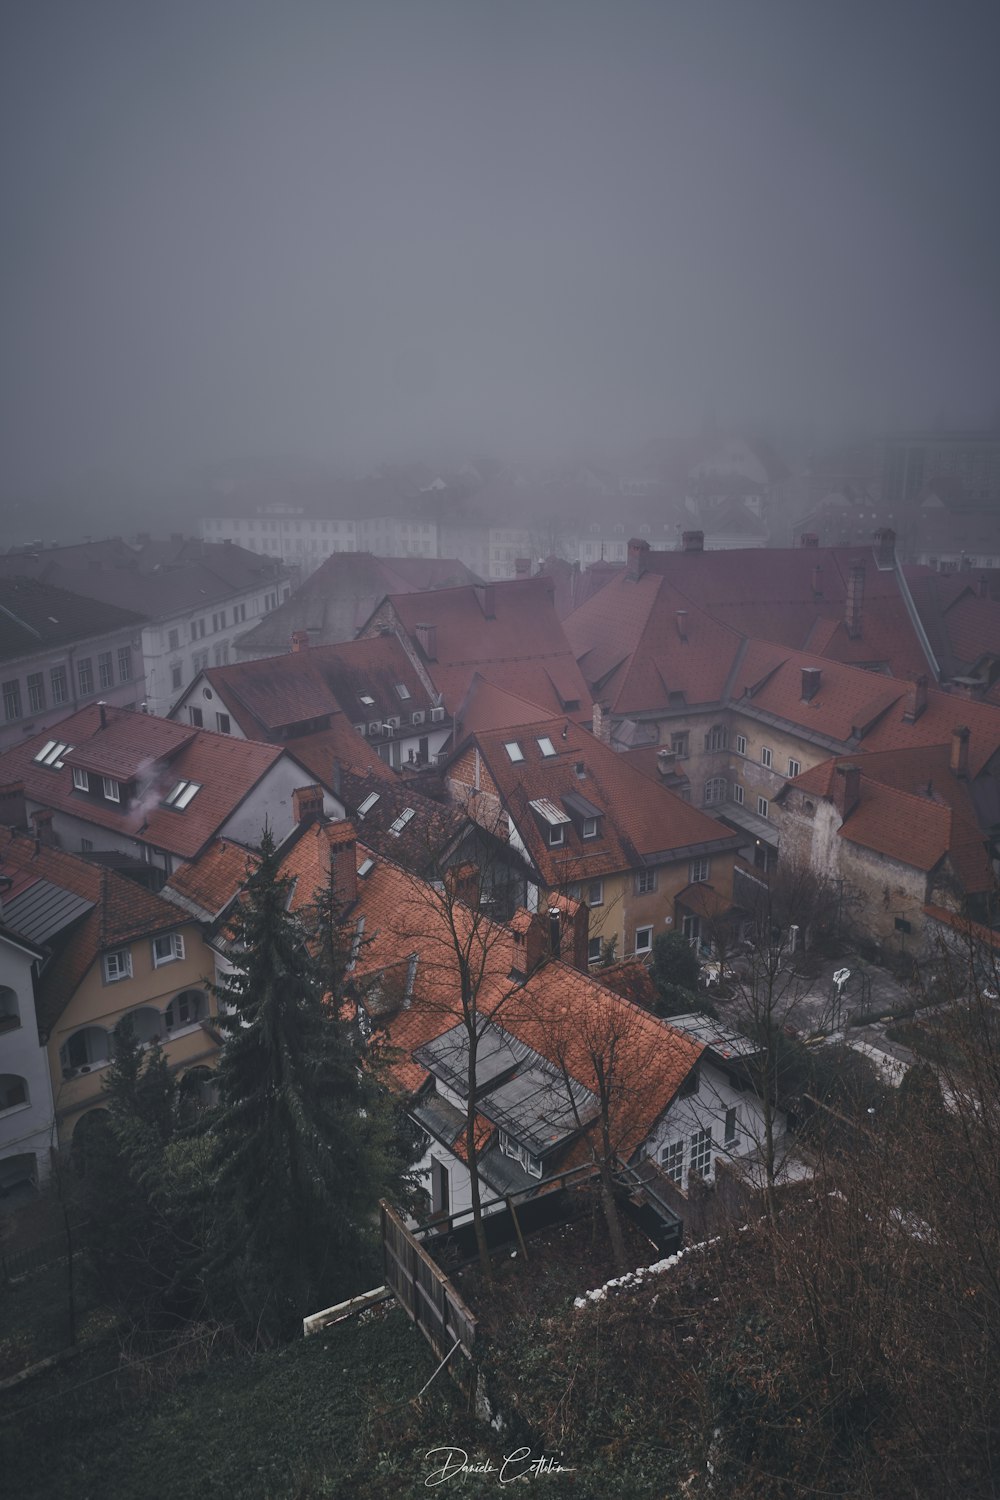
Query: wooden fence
point(423, 1288)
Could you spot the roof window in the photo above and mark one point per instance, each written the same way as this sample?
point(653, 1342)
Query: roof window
point(401, 821)
point(182, 795)
point(402, 691)
point(367, 805)
point(367, 700)
point(52, 752)
point(365, 867)
point(546, 746)
point(514, 750)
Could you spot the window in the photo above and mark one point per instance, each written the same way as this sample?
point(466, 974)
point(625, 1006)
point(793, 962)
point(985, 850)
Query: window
point(715, 791)
point(220, 654)
point(595, 893)
point(105, 669)
point(36, 692)
point(167, 949)
point(85, 676)
point(701, 1152)
point(737, 793)
point(593, 950)
point(51, 754)
point(10, 1011)
point(12, 700)
point(175, 677)
point(691, 928)
point(174, 640)
point(81, 780)
point(222, 723)
point(762, 806)
point(741, 744)
point(185, 1009)
point(367, 700)
point(732, 1127)
point(765, 756)
point(672, 1161)
point(902, 925)
point(397, 827)
point(197, 630)
point(679, 744)
point(645, 882)
point(794, 767)
point(239, 613)
point(112, 789)
point(699, 870)
point(643, 940)
point(197, 718)
point(125, 663)
point(86, 846)
point(531, 1164)
point(402, 691)
point(219, 620)
point(440, 1201)
point(182, 794)
point(546, 746)
point(117, 965)
point(59, 683)
point(557, 835)
point(13, 1091)
point(717, 737)
point(367, 805)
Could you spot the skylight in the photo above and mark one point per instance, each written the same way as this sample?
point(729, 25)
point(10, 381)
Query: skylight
point(546, 746)
point(365, 868)
point(367, 700)
point(52, 752)
point(401, 821)
point(514, 750)
point(180, 796)
point(367, 805)
point(402, 690)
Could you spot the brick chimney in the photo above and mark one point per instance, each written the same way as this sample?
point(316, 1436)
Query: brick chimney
point(812, 681)
point(487, 596)
point(300, 640)
point(846, 790)
point(855, 600)
point(682, 624)
point(343, 844)
point(809, 539)
point(574, 930)
point(817, 582)
point(638, 558)
point(427, 640)
point(885, 547)
point(522, 567)
point(692, 541)
point(959, 763)
point(916, 699)
point(602, 723)
point(41, 826)
point(464, 883)
point(307, 803)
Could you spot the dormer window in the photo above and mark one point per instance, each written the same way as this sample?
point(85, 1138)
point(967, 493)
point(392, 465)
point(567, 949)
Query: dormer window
point(557, 835)
point(546, 746)
point(117, 965)
point(590, 828)
point(81, 780)
point(112, 789)
point(181, 795)
point(510, 1147)
point(167, 949)
point(514, 750)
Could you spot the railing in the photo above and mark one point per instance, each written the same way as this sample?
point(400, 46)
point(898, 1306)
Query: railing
point(47, 1252)
point(423, 1289)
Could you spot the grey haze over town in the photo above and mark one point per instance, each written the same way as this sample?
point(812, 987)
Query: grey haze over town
point(499, 748)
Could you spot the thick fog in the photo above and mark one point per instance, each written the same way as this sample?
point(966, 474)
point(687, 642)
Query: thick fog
point(347, 232)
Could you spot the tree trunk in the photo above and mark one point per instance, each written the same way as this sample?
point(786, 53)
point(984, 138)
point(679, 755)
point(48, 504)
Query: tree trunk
point(612, 1220)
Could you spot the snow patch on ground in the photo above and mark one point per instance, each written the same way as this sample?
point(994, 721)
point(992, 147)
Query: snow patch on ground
point(639, 1275)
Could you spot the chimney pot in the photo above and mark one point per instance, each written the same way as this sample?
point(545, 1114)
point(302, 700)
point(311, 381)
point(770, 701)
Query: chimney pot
point(682, 624)
point(817, 582)
point(300, 640)
point(638, 558)
point(602, 723)
point(427, 640)
point(960, 752)
point(343, 845)
point(846, 790)
point(693, 541)
point(812, 681)
point(307, 803)
point(916, 699)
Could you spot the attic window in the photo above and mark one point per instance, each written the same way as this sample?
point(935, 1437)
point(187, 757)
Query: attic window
point(367, 700)
point(180, 796)
point(51, 754)
point(401, 822)
point(514, 750)
point(402, 691)
point(367, 805)
point(546, 746)
point(365, 868)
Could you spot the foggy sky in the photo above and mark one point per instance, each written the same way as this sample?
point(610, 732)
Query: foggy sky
point(350, 231)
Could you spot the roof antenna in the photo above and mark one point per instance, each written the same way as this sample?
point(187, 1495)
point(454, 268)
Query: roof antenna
point(565, 733)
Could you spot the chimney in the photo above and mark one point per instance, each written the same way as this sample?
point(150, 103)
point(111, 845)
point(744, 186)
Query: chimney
point(817, 582)
point(427, 637)
point(555, 931)
point(522, 567)
point(666, 761)
point(487, 595)
point(602, 723)
point(812, 681)
point(846, 790)
point(343, 845)
point(960, 752)
point(102, 709)
point(885, 547)
point(638, 558)
point(693, 541)
point(307, 803)
point(464, 883)
point(682, 624)
point(575, 922)
point(300, 640)
point(916, 699)
point(336, 779)
point(41, 823)
point(984, 586)
point(809, 539)
point(855, 600)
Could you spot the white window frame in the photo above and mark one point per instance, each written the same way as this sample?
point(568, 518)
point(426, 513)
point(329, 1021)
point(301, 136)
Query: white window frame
point(512, 1148)
point(737, 794)
point(762, 807)
point(741, 744)
point(557, 835)
point(701, 1145)
point(117, 965)
point(731, 1128)
point(766, 758)
point(594, 950)
point(514, 752)
point(595, 893)
point(81, 781)
point(794, 767)
point(112, 789)
point(647, 947)
point(699, 871)
point(672, 1161)
point(645, 882)
point(590, 828)
point(176, 949)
